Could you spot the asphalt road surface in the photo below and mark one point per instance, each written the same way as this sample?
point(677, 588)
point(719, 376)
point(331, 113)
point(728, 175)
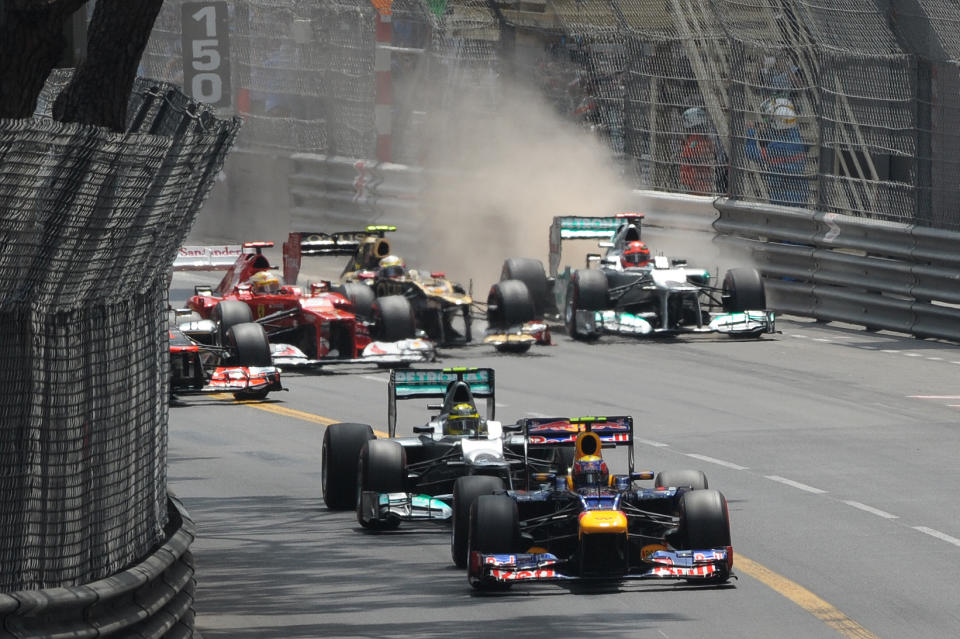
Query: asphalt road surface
point(836, 449)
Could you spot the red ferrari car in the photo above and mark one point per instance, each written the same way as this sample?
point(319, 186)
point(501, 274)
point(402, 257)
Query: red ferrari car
point(313, 326)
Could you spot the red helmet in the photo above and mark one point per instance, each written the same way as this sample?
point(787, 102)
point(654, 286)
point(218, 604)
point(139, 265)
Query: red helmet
point(636, 254)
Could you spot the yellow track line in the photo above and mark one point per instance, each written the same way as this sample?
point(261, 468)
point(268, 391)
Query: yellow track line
point(793, 591)
point(799, 595)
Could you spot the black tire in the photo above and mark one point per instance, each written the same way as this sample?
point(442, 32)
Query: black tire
point(494, 529)
point(743, 291)
point(465, 491)
point(531, 273)
point(587, 291)
point(694, 479)
point(339, 457)
point(381, 468)
point(249, 345)
point(227, 314)
point(361, 298)
point(393, 318)
point(565, 457)
point(704, 524)
point(509, 304)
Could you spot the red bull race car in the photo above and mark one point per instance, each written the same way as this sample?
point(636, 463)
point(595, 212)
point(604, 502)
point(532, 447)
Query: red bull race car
point(311, 326)
point(587, 525)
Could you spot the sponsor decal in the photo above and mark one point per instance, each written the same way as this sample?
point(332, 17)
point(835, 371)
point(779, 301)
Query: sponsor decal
point(522, 575)
point(679, 571)
point(500, 560)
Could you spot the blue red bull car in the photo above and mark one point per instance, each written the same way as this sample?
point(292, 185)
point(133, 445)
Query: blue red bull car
point(588, 525)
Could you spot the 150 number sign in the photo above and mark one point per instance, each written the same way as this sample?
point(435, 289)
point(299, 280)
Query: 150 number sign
point(206, 52)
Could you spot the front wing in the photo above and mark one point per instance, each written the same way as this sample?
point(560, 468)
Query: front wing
point(692, 565)
point(746, 323)
point(383, 507)
point(405, 351)
point(239, 379)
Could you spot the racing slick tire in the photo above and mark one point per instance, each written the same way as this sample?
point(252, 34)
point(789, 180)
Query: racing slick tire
point(393, 318)
point(531, 273)
point(361, 298)
point(587, 291)
point(339, 456)
point(381, 468)
point(743, 291)
point(704, 523)
point(509, 304)
point(694, 479)
point(565, 457)
point(465, 491)
point(227, 314)
point(494, 529)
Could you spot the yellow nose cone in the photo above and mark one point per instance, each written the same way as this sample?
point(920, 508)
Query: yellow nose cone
point(603, 521)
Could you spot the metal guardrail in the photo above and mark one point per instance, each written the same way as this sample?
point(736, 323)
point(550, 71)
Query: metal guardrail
point(151, 600)
point(880, 275)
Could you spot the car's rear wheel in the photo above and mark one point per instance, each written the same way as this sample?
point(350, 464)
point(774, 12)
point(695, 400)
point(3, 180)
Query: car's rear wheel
point(361, 298)
point(693, 479)
point(587, 291)
point(531, 273)
point(494, 529)
point(381, 469)
point(465, 492)
point(393, 318)
point(339, 456)
point(509, 304)
point(743, 291)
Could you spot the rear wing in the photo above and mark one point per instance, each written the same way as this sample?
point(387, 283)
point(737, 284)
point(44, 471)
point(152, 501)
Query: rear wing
point(562, 431)
point(207, 258)
point(409, 383)
point(577, 227)
point(341, 243)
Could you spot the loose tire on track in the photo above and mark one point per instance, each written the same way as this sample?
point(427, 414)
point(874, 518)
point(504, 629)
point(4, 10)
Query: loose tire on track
point(339, 457)
point(227, 314)
point(587, 291)
point(531, 273)
point(509, 304)
point(381, 468)
point(465, 492)
point(694, 479)
point(393, 318)
point(494, 529)
point(743, 291)
point(361, 298)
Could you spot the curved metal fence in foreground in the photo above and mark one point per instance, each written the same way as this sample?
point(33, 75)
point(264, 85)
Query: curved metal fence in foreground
point(152, 599)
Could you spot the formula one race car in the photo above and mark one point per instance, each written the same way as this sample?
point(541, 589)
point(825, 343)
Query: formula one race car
point(631, 293)
point(437, 472)
point(237, 361)
point(441, 307)
point(592, 526)
point(311, 327)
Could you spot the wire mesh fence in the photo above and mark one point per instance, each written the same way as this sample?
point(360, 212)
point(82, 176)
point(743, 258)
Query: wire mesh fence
point(91, 221)
point(845, 107)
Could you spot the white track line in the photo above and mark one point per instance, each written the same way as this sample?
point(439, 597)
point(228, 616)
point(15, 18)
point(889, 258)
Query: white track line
point(375, 379)
point(871, 510)
point(795, 484)
point(718, 462)
point(939, 535)
point(651, 443)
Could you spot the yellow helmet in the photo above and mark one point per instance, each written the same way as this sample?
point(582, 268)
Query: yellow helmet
point(265, 283)
point(462, 420)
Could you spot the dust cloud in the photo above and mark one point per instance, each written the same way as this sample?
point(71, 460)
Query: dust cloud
point(502, 181)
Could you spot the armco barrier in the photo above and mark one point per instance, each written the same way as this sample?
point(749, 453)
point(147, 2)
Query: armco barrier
point(150, 600)
point(881, 275)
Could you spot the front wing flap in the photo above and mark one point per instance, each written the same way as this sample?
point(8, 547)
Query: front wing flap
point(406, 351)
point(382, 507)
point(623, 323)
point(527, 333)
point(243, 378)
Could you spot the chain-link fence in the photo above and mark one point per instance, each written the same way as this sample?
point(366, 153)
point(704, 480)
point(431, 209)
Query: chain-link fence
point(845, 107)
point(91, 221)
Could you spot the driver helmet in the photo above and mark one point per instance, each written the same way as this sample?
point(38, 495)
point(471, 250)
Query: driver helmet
point(636, 254)
point(463, 420)
point(590, 471)
point(265, 283)
point(779, 113)
point(392, 267)
point(694, 117)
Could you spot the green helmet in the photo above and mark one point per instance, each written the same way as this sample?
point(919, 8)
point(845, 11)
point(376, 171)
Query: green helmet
point(463, 420)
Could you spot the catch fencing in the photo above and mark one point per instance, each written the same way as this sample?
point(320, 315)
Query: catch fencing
point(91, 222)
